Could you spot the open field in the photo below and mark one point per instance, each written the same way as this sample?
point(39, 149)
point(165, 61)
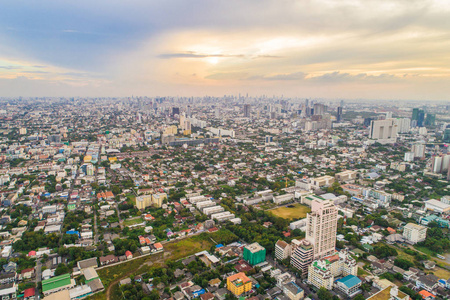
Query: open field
point(441, 273)
point(362, 272)
point(426, 251)
point(291, 211)
point(133, 221)
point(172, 251)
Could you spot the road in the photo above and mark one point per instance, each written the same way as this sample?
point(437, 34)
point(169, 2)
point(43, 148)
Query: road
point(95, 228)
point(116, 206)
point(38, 275)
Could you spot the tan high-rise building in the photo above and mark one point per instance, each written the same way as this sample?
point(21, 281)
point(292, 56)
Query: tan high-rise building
point(321, 227)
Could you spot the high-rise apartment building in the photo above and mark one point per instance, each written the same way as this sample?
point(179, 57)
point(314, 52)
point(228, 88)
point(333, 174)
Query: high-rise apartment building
point(321, 227)
point(419, 150)
point(403, 125)
point(302, 256)
point(414, 233)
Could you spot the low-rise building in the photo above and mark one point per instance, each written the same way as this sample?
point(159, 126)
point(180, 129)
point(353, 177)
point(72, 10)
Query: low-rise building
point(349, 285)
point(239, 284)
point(282, 250)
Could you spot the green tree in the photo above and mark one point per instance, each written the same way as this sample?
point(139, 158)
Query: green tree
point(324, 294)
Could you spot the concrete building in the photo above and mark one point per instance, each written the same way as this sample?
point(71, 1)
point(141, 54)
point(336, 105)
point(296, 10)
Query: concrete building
point(282, 250)
point(390, 293)
point(321, 273)
point(419, 150)
point(322, 227)
point(254, 254)
point(346, 176)
point(239, 284)
point(414, 233)
point(349, 285)
point(437, 206)
point(293, 291)
point(384, 131)
point(150, 200)
point(302, 256)
point(222, 216)
point(322, 181)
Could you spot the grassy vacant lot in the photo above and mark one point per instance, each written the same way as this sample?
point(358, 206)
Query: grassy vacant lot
point(441, 273)
point(362, 272)
point(174, 250)
point(133, 221)
point(292, 211)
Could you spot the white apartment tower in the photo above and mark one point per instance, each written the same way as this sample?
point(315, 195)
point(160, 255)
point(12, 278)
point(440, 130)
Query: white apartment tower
point(414, 233)
point(321, 227)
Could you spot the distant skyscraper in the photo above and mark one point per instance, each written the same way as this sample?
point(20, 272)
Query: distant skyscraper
point(319, 109)
point(268, 139)
point(188, 111)
point(430, 119)
point(247, 111)
point(415, 114)
point(421, 119)
point(321, 227)
point(446, 137)
point(175, 111)
point(339, 114)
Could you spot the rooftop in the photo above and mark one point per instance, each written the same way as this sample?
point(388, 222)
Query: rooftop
point(255, 247)
point(350, 281)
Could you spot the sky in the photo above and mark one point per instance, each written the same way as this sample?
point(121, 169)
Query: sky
point(374, 49)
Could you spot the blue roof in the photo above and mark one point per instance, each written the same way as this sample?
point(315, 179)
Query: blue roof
point(350, 281)
point(219, 246)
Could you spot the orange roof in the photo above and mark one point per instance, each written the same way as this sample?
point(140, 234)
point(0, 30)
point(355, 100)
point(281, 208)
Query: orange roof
point(158, 245)
point(391, 229)
point(425, 294)
point(109, 194)
point(240, 275)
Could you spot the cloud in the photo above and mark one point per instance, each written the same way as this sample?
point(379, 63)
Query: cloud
point(227, 76)
point(156, 46)
point(10, 67)
point(338, 77)
point(192, 54)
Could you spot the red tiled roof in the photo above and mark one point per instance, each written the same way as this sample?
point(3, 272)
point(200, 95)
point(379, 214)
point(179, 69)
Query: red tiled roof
point(29, 292)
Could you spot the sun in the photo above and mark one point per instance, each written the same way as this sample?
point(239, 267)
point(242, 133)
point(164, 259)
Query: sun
point(213, 60)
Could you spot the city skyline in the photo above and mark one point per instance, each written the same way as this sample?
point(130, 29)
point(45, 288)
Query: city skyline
point(345, 49)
